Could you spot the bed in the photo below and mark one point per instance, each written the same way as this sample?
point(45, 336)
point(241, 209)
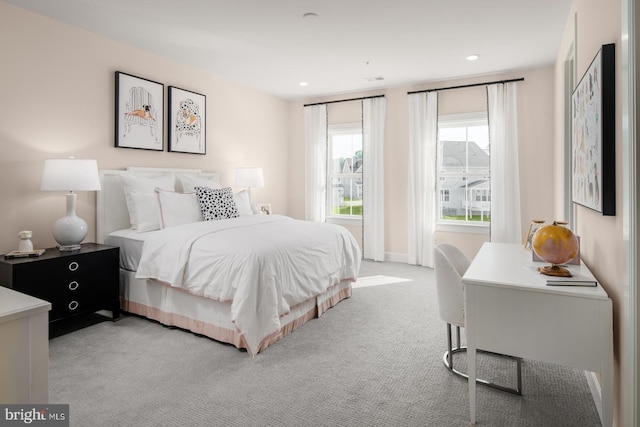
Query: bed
point(246, 279)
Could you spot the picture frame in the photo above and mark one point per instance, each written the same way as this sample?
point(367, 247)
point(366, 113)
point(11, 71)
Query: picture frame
point(139, 113)
point(264, 208)
point(187, 121)
point(534, 226)
point(593, 135)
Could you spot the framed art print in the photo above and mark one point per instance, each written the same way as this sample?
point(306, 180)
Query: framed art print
point(593, 135)
point(187, 121)
point(139, 113)
point(264, 208)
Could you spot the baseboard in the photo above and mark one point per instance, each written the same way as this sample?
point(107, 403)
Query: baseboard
point(396, 257)
point(594, 386)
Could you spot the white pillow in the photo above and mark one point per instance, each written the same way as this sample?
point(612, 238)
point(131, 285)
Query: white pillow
point(144, 209)
point(190, 182)
point(177, 208)
point(243, 203)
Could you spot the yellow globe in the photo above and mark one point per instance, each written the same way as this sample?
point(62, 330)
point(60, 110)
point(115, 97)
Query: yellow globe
point(555, 244)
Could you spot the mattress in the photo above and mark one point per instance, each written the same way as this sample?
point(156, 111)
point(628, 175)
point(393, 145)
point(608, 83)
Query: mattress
point(130, 243)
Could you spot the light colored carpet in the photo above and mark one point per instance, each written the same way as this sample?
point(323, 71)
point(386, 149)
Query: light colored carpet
point(373, 360)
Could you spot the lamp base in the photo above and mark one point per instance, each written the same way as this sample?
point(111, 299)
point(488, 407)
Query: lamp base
point(69, 231)
point(69, 248)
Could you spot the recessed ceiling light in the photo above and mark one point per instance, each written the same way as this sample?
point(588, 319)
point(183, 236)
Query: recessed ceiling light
point(303, 84)
point(472, 57)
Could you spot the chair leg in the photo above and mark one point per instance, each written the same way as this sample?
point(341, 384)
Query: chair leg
point(447, 359)
point(519, 368)
point(449, 354)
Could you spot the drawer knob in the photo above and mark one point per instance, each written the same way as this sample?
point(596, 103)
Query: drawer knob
point(73, 285)
point(73, 305)
point(73, 266)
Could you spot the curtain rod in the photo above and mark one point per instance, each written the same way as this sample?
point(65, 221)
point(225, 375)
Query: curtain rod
point(345, 100)
point(469, 85)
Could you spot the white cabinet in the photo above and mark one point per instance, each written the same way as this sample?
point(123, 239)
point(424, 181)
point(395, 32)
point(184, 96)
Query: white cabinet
point(24, 348)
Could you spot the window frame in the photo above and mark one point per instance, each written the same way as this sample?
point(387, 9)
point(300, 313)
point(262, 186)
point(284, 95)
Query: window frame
point(345, 129)
point(454, 120)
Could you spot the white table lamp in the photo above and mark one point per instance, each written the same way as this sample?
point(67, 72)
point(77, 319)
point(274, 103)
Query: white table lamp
point(249, 177)
point(70, 175)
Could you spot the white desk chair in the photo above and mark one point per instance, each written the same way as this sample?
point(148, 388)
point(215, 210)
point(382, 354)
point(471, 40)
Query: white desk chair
point(450, 266)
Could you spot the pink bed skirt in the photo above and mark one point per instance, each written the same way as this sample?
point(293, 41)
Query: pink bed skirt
point(232, 336)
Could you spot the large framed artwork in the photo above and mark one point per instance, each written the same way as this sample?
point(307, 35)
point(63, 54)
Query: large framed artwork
point(139, 113)
point(187, 121)
point(593, 135)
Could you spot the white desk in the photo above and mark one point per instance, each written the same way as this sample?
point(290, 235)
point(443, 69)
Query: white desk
point(509, 310)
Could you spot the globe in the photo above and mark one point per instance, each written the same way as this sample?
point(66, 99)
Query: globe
point(555, 244)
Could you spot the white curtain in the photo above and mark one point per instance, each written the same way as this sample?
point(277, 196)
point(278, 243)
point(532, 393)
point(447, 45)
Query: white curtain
point(505, 182)
point(315, 135)
point(423, 138)
point(373, 116)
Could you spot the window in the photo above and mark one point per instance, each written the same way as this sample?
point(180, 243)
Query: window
point(464, 169)
point(344, 171)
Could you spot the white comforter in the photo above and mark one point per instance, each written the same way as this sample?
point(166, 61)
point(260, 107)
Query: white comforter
point(261, 264)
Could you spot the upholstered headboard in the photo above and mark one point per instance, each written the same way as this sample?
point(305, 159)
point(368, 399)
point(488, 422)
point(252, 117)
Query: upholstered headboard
point(111, 207)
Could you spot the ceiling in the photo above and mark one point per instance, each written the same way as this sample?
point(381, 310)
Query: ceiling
point(348, 46)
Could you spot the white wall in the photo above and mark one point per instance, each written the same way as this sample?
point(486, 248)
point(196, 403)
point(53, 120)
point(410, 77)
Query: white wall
point(57, 91)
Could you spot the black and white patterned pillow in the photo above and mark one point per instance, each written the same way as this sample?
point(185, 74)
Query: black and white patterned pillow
point(216, 203)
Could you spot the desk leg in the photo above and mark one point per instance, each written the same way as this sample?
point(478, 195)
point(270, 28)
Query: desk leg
point(471, 366)
point(469, 303)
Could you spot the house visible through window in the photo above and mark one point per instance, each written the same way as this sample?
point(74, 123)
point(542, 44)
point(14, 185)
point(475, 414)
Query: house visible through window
point(464, 169)
point(344, 171)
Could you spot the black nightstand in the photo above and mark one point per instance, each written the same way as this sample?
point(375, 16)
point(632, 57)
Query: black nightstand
point(76, 282)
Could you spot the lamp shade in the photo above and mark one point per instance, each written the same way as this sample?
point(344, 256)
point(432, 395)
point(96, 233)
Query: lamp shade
point(249, 177)
point(70, 175)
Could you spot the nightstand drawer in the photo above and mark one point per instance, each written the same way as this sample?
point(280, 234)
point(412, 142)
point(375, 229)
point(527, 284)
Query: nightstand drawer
point(58, 270)
point(64, 307)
